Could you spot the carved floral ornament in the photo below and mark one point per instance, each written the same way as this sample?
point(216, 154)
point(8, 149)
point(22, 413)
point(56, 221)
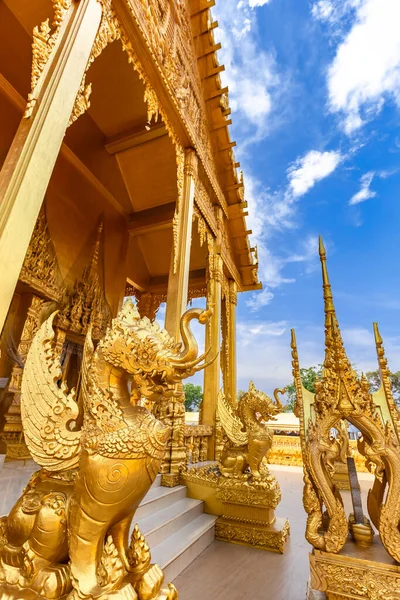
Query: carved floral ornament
point(340, 394)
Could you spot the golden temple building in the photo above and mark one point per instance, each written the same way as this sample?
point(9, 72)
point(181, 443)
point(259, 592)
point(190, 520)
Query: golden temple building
point(120, 194)
point(118, 179)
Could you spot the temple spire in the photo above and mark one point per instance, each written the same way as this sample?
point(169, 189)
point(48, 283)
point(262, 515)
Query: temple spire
point(328, 298)
point(383, 368)
point(336, 360)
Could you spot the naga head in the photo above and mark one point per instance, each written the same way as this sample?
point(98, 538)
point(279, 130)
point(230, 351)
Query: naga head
point(156, 362)
point(258, 402)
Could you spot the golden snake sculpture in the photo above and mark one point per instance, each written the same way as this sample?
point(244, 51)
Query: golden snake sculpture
point(340, 394)
point(249, 439)
point(68, 534)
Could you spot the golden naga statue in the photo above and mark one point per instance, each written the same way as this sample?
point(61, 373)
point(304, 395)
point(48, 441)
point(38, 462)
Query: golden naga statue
point(68, 534)
point(341, 394)
point(249, 439)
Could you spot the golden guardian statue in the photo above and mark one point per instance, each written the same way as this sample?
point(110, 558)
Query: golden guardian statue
point(249, 438)
point(68, 534)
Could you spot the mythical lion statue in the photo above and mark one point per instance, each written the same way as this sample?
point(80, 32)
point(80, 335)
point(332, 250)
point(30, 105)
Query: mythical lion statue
point(249, 439)
point(68, 534)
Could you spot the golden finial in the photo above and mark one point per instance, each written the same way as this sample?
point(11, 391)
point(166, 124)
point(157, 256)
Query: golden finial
point(328, 299)
point(383, 367)
point(296, 374)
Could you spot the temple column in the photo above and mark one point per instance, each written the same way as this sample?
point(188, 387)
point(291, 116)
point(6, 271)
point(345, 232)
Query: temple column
point(177, 298)
point(231, 379)
point(12, 434)
point(57, 76)
point(213, 341)
point(178, 280)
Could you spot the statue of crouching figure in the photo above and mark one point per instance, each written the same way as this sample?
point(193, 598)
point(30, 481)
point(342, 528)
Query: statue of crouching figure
point(248, 438)
point(69, 535)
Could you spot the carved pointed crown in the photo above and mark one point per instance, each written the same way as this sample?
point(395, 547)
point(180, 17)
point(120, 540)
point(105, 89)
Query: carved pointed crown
point(40, 269)
point(86, 303)
point(340, 390)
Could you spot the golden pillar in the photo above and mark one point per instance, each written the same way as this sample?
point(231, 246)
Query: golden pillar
point(177, 297)
point(178, 281)
point(228, 350)
point(213, 340)
point(56, 78)
point(12, 433)
point(232, 375)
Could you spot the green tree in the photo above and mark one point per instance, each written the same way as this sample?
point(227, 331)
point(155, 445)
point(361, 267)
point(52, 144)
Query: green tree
point(374, 380)
point(308, 377)
point(193, 396)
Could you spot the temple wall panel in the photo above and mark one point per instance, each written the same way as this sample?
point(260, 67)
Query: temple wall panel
point(73, 214)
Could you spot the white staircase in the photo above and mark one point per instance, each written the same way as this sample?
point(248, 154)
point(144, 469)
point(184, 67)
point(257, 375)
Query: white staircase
point(175, 527)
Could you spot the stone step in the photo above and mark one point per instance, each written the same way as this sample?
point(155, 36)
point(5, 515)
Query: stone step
point(157, 526)
point(157, 481)
point(178, 550)
point(159, 497)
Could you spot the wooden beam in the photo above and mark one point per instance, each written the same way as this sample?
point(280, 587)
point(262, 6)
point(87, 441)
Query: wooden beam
point(239, 216)
point(20, 103)
point(160, 283)
point(217, 93)
point(134, 138)
point(242, 234)
point(214, 72)
point(234, 186)
point(230, 168)
point(221, 125)
point(152, 219)
point(227, 147)
point(209, 50)
point(203, 7)
point(207, 29)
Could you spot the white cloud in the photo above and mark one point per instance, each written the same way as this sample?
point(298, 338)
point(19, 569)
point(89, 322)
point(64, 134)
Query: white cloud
point(365, 72)
point(309, 169)
point(259, 299)
point(272, 212)
point(255, 3)
point(251, 74)
point(263, 350)
point(322, 10)
point(365, 192)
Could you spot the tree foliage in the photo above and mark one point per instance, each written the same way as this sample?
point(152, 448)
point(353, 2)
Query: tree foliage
point(374, 380)
point(193, 397)
point(308, 377)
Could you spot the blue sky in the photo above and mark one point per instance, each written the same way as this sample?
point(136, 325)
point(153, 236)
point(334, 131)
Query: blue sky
point(315, 97)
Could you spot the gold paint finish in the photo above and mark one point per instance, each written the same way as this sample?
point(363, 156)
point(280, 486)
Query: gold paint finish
point(249, 439)
point(68, 534)
point(341, 394)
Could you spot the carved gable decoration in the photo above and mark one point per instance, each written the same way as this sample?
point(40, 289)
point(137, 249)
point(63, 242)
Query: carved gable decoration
point(40, 269)
point(341, 394)
point(166, 27)
point(85, 303)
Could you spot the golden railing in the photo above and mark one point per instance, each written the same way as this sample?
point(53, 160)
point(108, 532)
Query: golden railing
point(196, 442)
point(286, 450)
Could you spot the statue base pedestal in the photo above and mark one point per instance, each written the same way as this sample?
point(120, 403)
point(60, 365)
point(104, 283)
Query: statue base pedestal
point(170, 479)
point(265, 537)
point(248, 513)
point(355, 574)
point(245, 507)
